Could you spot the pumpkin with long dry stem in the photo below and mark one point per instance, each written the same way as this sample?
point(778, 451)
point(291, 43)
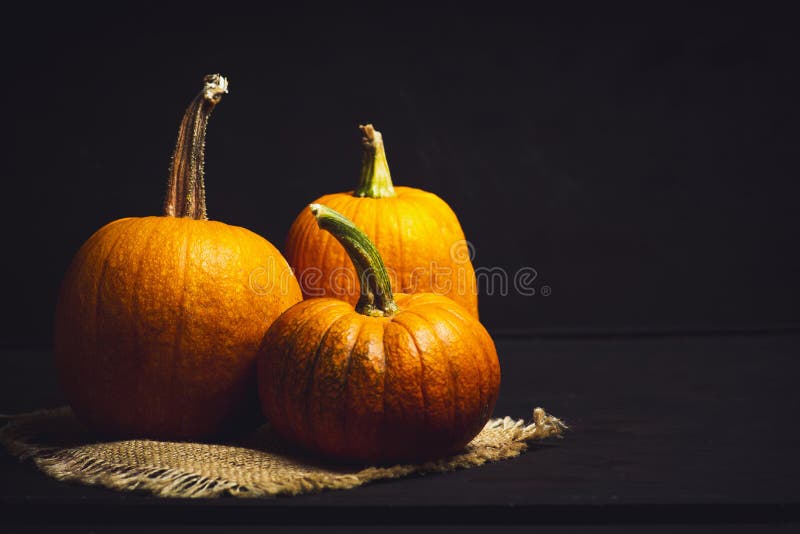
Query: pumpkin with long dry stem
point(417, 235)
point(159, 319)
point(401, 377)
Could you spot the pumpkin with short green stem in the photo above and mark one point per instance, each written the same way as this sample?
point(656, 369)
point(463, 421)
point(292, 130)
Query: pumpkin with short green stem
point(159, 319)
point(417, 234)
point(403, 377)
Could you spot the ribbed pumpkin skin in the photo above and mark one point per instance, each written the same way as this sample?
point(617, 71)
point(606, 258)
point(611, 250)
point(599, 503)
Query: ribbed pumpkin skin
point(417, 235)
point(158, 325)
point(417, 385)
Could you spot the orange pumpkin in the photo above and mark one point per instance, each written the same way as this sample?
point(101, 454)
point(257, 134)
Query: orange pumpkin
point(159, 319)
point(397, 378)
point(417, 234)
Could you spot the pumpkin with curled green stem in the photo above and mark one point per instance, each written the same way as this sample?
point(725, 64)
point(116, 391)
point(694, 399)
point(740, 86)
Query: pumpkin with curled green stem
point(397, 377)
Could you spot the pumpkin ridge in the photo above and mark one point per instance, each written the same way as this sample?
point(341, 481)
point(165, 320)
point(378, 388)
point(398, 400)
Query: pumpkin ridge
point(385, 372)
point(347, 377)
point(101, 279)
point(477, 363)
point(283, 394)
point(363, 390)
point(278, 368)
point(399, 236)
point(237, 238)
point(421, 370)
point(77, 270)
point(488, 364)
point(430, 229)
point(453, 379)
point(180, 318)
point(310, 380)
point(94, 242)
point(135, 300)
point(121, 266)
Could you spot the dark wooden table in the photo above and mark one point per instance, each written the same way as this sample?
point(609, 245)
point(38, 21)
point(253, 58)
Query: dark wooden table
point(667, 430)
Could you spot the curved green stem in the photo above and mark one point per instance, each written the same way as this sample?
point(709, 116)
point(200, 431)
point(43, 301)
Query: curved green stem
point(375, 181)
point(186, 187)
point(376, 289)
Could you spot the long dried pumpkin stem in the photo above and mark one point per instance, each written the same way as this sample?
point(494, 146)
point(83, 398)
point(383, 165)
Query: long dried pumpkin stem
point(376, 289)
point(375, 181)
point(186, 188)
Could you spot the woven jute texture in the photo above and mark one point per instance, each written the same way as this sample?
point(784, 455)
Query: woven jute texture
point(256, 466)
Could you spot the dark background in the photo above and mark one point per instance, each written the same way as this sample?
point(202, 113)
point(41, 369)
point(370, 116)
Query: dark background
point(642, 160)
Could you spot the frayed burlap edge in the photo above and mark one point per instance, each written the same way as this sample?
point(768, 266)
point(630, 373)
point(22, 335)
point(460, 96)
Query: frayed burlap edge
point(499, 440)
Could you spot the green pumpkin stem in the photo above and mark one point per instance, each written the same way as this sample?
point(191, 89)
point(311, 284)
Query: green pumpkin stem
point(376, 289)
point(186, 187)
point(375, 181)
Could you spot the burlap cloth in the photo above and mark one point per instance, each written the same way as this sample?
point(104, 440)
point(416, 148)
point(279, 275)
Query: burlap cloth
point(256, 466)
